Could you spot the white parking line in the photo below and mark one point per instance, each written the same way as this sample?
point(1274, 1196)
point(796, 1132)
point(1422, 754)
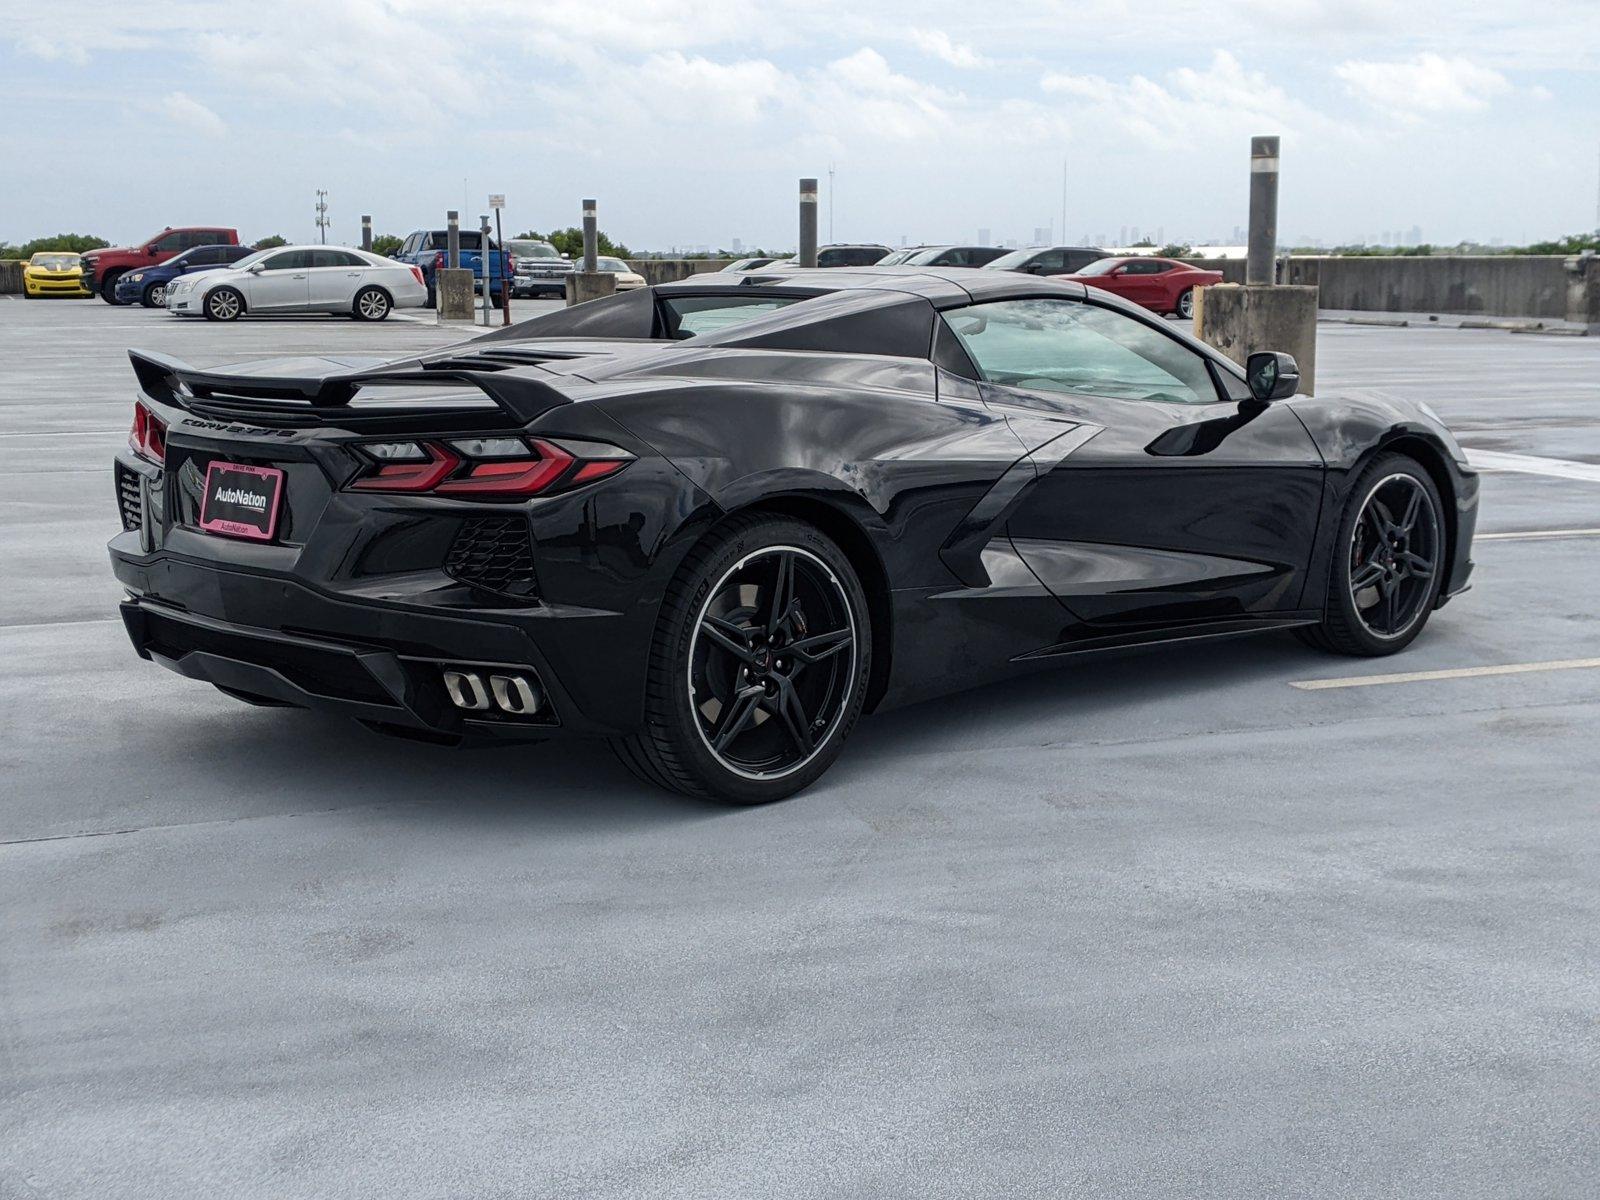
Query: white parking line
point(1559, 468)
point(1535, 535)
point(1561, 664)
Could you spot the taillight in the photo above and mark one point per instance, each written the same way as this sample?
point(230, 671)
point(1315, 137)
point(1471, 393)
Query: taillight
point(487, 468)
point(148, 437)
point(406, 467)
point(438, 261)
point(416, 271)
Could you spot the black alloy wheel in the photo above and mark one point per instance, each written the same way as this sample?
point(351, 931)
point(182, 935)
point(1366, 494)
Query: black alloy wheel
point(1389, 567)
point(760, 667)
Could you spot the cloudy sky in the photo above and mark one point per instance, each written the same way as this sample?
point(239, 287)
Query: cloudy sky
point(690, 120)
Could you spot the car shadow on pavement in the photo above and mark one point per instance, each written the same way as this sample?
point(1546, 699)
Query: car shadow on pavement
point(565, 786)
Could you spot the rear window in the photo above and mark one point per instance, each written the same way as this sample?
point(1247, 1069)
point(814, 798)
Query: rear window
point(693, 316)
point(440, 240)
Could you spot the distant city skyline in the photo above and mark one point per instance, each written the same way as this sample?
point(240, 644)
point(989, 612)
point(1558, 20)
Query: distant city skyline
point(687, 121)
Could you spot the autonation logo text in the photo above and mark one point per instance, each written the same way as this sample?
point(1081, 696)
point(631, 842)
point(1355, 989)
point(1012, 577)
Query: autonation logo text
point(240, 496)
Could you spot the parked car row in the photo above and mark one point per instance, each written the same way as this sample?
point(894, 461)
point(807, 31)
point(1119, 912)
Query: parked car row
point(164, 272)
point(1163, 285)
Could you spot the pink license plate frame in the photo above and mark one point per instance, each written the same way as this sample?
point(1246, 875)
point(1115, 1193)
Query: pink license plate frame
point(273, 476)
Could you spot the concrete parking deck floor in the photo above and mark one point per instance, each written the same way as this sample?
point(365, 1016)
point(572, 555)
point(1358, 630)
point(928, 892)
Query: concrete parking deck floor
point(1163, 926)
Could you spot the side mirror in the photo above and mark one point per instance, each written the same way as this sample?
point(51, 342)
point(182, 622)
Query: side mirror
point(256, 268)
point(152, 250)
point(1272, 375)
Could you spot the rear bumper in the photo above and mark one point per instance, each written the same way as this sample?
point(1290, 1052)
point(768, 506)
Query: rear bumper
point(275, 641)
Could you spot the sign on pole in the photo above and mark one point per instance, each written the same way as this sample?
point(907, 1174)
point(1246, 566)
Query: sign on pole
point(497, 200)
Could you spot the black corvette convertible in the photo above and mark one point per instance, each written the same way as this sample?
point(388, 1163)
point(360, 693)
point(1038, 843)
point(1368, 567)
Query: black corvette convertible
point(716, 520)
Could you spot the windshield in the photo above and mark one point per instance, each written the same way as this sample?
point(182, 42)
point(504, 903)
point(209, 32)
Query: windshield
point(690, 316)
point(54, 262)
point(526, 249)
point(612, 264)
point(899, 256)
point(1013, 260)
point(1100, 266)
point(253, 258)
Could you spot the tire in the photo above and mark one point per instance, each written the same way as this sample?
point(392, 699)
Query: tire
point(1363, 620)
point(432, 299)
point(223, 304)
point(108, 287)
point(791, 710)
point(497, 299)
point(371, 304)
point(154, 296)
point(1185, 305)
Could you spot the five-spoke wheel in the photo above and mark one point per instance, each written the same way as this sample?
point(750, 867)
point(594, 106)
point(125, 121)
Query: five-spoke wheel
point(760, 666)
point(769, 668)
point(1389, 561)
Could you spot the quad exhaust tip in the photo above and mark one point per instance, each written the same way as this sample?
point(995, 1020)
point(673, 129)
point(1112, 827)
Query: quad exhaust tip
point(478, 691)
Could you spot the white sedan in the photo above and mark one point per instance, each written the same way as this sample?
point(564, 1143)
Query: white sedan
point(300, 279)
point(627, 278)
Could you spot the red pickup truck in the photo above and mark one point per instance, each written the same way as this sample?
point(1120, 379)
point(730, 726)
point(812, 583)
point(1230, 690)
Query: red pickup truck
point(101, 268)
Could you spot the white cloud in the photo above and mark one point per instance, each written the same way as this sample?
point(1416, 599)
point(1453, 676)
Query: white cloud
point(51, 51)
point(1191, 106)
point(702, 90)
point(937, 43)
point(1425, 85)
point(183, 109)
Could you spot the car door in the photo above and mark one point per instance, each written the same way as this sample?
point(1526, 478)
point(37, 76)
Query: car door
point(335, 277)
point(1139, 281)
point(282, 284)
point(1047, 262)
point(1191, 504)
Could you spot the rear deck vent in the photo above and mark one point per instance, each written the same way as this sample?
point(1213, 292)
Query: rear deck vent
point(496, 554)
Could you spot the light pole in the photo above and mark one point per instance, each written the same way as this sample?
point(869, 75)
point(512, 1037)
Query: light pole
point(322, 216)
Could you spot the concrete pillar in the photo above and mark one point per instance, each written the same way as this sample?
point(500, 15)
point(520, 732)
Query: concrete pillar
point(1583, 290)
point(452, 221)
point(591, 237)
point(1263, 210)
point(808, 223)
point(366, 232)
point(453, 293)
point(590, 283)
point(1240, 321)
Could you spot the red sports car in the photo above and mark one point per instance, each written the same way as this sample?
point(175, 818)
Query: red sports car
point(1163, 284)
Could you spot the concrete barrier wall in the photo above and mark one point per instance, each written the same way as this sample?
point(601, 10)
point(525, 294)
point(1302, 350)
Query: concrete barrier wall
point(665, 270)
point(11, 276)
point(1508, 285)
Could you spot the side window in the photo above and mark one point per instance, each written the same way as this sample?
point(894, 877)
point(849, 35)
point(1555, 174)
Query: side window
point(289, 260)
point(206, 256)
point(1082, 258)
point(335, 258)
point(172, 241)
point(1049, 260)
point(1143, 266)
point(1069, 346)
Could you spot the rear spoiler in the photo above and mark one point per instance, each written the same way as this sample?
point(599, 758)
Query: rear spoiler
point(306, 399)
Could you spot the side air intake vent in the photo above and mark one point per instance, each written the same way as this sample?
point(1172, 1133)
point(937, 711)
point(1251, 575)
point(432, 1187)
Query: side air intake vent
point(496, 554)
point(129, 499)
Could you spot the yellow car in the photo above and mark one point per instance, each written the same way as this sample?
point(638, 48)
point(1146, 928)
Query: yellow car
point(54, 273)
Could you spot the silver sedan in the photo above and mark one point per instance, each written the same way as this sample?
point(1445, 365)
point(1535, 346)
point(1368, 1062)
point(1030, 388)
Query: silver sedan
point(300, 279)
